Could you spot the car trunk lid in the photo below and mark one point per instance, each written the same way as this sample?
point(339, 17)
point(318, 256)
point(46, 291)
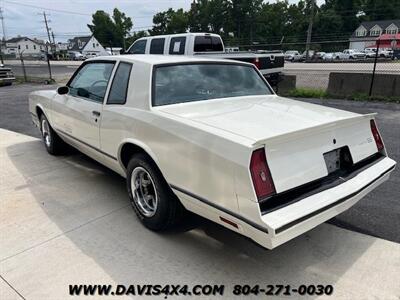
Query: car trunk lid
point(295, 134)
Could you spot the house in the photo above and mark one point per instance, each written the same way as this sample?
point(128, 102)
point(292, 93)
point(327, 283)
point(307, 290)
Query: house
point(367, 33)
point(86, 45)
point(62, 46)
point(24, 45)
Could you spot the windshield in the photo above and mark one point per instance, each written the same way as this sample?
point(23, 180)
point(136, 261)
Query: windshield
point(196, 82)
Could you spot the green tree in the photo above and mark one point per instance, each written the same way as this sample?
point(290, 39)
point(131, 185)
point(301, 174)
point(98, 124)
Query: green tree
point(169, 22)
point(380, 9)
point(110, 31)
point(209, 16)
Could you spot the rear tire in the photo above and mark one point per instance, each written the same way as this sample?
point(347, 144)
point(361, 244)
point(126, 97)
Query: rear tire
point(53, 143)
point(153, 201)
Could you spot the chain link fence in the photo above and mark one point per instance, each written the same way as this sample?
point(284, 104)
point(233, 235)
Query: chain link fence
point(367, 66)
point(375, 60)
point(40, 69)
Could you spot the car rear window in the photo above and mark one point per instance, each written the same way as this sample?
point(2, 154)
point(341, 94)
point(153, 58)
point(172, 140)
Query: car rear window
point(203, 81)
point(207, 44)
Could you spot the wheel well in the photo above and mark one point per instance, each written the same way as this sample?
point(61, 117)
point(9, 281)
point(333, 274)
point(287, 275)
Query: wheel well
point(128, 150)
point(39, 112)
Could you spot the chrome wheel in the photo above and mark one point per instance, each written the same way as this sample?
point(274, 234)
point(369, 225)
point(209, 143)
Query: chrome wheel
point(144, 192)
point(46, 132)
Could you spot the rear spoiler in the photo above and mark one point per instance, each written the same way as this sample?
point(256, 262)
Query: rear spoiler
point(310, 130)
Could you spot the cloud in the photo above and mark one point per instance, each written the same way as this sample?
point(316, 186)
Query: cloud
point(22, 19)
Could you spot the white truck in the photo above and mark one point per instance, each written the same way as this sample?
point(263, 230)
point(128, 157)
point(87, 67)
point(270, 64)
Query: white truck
point(209, 45)
point(351, 54)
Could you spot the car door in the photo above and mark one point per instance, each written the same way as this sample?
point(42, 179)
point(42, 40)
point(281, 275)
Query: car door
point(84, 103)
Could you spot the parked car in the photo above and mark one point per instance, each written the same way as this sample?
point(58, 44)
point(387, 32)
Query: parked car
point(6, 75)
point(369, 53)
point(396, 54)
point(209, 46)
point(330, 56)
point(385, 52)
point(231, 49)
point(303, 56)
point(210, 136)
point(90, 55)
point(74, 55)
point(382, 53)
point(291, 54)
point(319, 55)
point(351, 54)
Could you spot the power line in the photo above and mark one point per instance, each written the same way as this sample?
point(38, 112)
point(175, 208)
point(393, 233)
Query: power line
point(61, 10)
point(48, 9)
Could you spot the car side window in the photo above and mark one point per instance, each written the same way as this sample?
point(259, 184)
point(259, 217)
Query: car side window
point(119, 86)
point(138, 47)
point(177, 45)
point(91, 81)
point(157, 46)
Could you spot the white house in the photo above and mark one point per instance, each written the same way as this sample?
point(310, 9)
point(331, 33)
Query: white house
point(25, 46)
point(367, 33)
point(62, 46)
point(87, 45)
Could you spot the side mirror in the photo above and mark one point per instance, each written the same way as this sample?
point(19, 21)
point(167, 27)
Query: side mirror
point(62, 90)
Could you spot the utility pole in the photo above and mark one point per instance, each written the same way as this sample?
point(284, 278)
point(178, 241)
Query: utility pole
point(309, 30)
point(47, 26)
point(3, 40)
point(54, 46)
point(47, 50)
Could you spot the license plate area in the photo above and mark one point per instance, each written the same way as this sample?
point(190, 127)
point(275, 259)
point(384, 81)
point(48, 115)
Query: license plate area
point(338, 159)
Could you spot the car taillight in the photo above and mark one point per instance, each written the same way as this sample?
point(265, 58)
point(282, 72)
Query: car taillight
point(377, 137)
point(260, 174)
point(256, 62)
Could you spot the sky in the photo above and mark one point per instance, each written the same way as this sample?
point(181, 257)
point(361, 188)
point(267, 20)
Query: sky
point(69, 18)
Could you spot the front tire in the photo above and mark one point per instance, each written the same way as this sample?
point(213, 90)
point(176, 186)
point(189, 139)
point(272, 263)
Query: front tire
point(153, 201)
point(53, 143)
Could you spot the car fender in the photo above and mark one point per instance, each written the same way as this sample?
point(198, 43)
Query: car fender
point(140, 144)
point(44, 111)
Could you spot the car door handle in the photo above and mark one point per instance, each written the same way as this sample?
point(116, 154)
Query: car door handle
point(96, 113)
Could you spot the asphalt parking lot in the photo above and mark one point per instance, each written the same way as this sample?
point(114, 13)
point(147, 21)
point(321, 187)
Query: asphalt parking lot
point(66, 220)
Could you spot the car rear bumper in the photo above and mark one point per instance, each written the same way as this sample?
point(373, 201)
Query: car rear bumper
point(288, 222)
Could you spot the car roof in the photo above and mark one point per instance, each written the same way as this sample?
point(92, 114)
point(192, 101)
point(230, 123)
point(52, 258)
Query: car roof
point(153, 59)
point(179, 35)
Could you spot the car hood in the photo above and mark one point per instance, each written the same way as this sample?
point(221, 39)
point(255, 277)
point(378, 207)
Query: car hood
point(257, 117)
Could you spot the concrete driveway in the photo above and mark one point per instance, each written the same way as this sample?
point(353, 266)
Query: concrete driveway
point(67, 220)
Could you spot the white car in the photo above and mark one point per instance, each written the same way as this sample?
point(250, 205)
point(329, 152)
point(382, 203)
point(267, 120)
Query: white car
point(351, 54)
point(291, 55)
point(210, 136)
point(369, 53)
